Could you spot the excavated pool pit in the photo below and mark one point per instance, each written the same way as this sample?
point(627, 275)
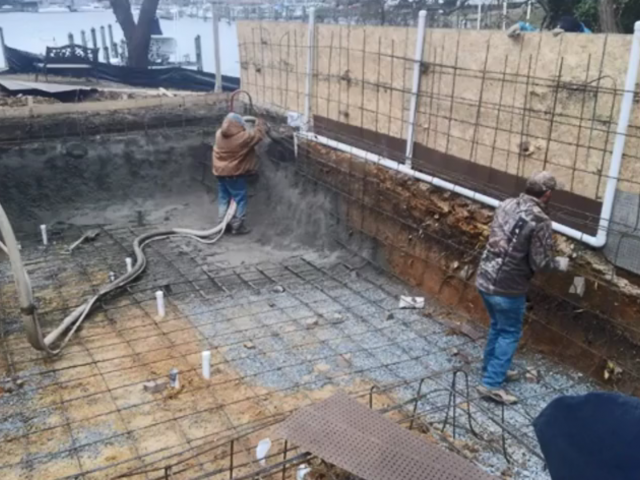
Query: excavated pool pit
point(289, 315)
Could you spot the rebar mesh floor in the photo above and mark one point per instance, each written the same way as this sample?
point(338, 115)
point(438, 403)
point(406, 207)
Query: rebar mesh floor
point(284, 331)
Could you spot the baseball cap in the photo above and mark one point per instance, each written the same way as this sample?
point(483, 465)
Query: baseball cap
point(543, 182)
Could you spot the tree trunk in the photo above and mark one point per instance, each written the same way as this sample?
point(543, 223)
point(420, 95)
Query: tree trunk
point(607, 17)
point(137, 35)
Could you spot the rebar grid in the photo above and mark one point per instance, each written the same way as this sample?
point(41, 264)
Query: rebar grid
point(127, 346)
point(272, 70)
point(358, 191)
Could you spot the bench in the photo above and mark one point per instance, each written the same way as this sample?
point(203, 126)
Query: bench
point(68, 57)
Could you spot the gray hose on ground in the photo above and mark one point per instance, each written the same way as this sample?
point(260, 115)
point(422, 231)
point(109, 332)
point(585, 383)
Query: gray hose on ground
point(71, 323)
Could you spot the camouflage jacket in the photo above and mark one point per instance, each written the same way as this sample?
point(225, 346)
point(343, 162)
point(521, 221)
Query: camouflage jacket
point(520, 244)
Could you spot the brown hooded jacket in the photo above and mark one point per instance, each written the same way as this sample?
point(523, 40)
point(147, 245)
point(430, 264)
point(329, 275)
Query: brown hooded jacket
point(234, 151)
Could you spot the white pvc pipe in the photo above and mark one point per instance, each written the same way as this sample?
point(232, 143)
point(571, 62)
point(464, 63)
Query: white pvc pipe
point(504, 15)
point(43, 232)
point(529, 10)
point(129, 262)
point(621, 136)
point(415, 85)
point(479, 15)
point(206, 364)
point(160, 303)
point(438, 182)
point(311, 41)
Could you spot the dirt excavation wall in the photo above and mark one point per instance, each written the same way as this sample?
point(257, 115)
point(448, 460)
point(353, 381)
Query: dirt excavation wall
point(432, 239)
point(91, 167)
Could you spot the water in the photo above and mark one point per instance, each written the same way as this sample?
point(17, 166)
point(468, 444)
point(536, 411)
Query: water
point(35, 31)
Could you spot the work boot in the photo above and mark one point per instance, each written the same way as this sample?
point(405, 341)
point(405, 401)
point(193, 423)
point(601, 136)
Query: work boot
point(239, 229)
point(513, 376)
point(497, 395)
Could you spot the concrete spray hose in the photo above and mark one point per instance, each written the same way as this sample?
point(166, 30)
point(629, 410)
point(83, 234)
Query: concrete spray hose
point(53, 343)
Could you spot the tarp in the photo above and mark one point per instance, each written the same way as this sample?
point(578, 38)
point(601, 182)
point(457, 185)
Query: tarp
point(591, 437)
point(176, 78)
point(63, 93)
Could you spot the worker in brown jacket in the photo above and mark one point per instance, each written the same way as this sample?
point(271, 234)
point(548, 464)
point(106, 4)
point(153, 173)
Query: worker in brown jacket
point(234, 157)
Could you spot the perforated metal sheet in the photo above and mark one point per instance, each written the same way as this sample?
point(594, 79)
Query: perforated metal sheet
point(351, 436)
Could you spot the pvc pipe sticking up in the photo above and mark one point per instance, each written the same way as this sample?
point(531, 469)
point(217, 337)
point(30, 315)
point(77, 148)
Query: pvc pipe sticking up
point(174, 378)
point(206, 364)
point(415, 87)
point(479, 20)
point(308, 85)
point(43, 232)
point(504, 15)
point(621, 136)
point(129, 262)
point(529, 10)
point(160, 303)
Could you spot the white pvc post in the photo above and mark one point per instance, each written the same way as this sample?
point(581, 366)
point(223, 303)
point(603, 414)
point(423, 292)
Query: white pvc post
point(311, 41)
point(479, 15)
point(43, 231)
point(504, 15)
point(129, 262)
point(206, 364)
point(415, 86)
point(529, 10)
point(621, 135)
point(216, 48)
point(160, 303)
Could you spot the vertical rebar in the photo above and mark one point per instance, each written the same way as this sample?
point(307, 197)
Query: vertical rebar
point(70, 39)
point(477, 122)
point(453, 93)
point(284, 459)
point(83, 38)
point(556, 94)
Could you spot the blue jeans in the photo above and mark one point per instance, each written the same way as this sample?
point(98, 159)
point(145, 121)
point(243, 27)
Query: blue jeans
point(232, 188)
point(507, 315)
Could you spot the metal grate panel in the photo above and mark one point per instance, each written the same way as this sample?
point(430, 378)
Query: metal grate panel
point(351, 436)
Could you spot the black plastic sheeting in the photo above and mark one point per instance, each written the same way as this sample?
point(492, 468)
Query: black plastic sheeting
point(175, 78)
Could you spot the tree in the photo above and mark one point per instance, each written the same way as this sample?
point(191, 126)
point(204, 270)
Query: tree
point(607, 17)
point(137, 35)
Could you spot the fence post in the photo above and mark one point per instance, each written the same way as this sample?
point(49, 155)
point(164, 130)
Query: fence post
point(479, 15)
point(199, 52)
point(311, 45)
point(216, 48)
point(504, 15)
point(70, 39)
point(2, 46)
point(94, 38)
point(415, 85)
point(103, 41)
point(83, 37)
point(112, 45)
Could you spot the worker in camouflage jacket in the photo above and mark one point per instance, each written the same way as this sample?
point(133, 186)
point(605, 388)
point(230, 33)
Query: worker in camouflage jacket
point(520, 244)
